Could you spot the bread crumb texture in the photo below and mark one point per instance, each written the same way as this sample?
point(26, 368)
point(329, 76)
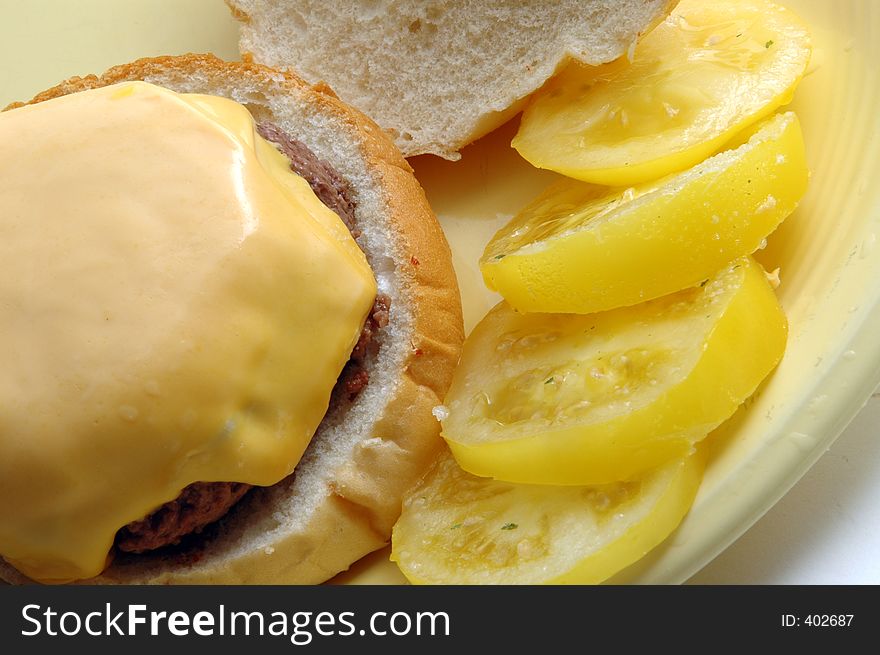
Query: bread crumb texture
point(438, 74)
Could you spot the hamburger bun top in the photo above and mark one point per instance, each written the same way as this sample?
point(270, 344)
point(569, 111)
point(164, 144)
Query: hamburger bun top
point(438, 75)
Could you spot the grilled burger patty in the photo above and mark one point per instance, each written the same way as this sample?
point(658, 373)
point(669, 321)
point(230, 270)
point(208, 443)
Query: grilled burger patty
point(202, 503)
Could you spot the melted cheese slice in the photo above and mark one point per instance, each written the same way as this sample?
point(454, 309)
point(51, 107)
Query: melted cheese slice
point(176, 307)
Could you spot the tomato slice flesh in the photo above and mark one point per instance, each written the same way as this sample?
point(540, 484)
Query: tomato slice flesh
point(589, 399)
point(456, 528)
point(709, 70)
point(581, 248)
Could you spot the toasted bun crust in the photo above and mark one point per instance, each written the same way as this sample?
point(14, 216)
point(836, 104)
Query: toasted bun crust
point(345, 494)
point(438, 75)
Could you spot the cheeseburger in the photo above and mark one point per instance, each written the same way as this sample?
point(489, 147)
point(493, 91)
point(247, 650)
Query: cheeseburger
point(227, 312)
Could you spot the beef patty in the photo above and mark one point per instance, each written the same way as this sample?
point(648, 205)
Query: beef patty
point(203, 503)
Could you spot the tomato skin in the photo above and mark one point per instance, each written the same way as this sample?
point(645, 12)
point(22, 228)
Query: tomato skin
point(708, 71)
point(670, 236)
point(737, 353)
point(668, 513)
point(459, 529)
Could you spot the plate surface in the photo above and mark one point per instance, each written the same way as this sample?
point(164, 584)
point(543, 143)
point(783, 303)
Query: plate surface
point(827, 251)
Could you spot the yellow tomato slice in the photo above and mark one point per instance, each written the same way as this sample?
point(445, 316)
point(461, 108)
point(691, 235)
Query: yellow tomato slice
point(589, 399)
point(708, 71)
point(460, 529)
point(581, 248)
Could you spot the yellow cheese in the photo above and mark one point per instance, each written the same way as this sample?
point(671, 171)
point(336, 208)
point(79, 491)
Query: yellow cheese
point(175, 306)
